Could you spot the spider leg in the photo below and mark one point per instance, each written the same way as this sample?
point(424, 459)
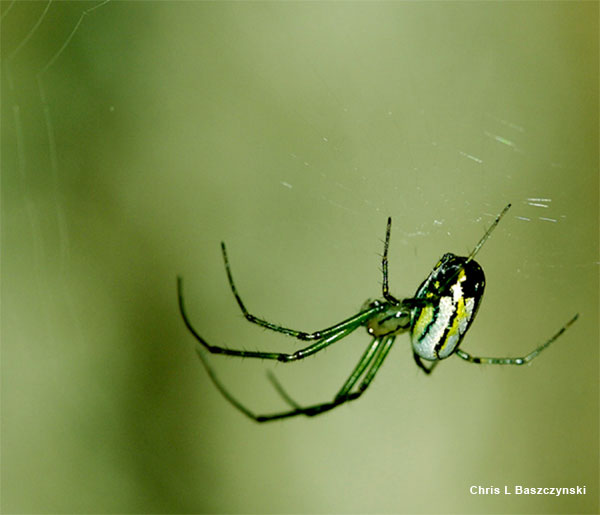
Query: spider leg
point(516, 361)
point(384, 265)
point(422, 365)
point(300, 335)
point(224, 392)
point(374, 355)
point(363, 363)
point(281, 391)
point(487, 233)
point(341, 330)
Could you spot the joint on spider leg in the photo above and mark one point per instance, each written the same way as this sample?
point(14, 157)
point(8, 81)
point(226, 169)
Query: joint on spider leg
point(286, 358)
point(311, 412)
point(355, 395)
point(391, 299)
point(422, 365)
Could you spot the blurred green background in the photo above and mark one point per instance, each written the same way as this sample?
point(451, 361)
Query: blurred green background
point(137, 136)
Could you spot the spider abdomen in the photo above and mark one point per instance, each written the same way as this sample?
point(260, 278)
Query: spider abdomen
point(451, 294)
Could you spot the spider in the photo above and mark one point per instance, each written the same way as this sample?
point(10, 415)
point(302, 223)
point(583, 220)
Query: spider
point(437, 317)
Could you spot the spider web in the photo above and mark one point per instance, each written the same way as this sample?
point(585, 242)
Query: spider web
point(137, 136)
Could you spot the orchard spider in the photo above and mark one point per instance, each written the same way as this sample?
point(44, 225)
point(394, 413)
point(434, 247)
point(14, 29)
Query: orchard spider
point(437, 317)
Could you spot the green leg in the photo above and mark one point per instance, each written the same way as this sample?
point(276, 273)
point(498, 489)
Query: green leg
point(379, 359)
point(363, 363)
point(376, 353)
point(384, 266)
point(380, 353)
point(487, 234)
point(281, 391)
point(333, 335)
point(515, 361)
point(301, 335)
point(230, 398)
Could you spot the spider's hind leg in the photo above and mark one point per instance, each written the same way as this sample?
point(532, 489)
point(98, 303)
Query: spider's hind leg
point(282, 392)
point(516, 361)
point(370, 361)
point(358, 371)
point(422, 365)
point(224, 392)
